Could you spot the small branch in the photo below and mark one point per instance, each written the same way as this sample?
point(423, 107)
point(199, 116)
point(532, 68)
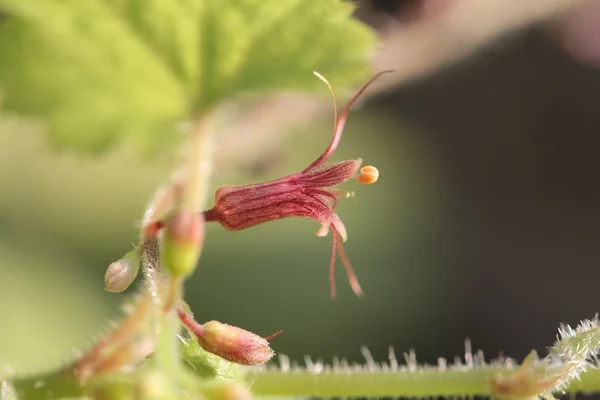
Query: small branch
point(117, 340)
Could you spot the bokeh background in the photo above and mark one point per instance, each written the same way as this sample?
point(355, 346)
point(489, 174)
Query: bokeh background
point(485, 223)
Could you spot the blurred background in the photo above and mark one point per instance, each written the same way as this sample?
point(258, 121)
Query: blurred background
point(484, 223)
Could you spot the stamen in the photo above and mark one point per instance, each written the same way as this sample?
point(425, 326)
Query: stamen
point(347, 194)
point(332, 289)
point(368, 175)
point(352, 279)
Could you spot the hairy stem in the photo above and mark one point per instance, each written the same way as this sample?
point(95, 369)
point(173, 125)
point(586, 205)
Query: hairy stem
point(96, 358)
point(570, 359)
point(425, 382)
point(198, 164)
point(197, 167)
point(166, 356)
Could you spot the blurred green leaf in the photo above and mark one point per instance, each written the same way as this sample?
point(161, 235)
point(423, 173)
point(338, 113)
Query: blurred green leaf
point(103, 71)
point(50, 305)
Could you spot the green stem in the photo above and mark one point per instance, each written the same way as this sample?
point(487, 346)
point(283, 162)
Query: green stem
point(166, 355)
point(195, 192)
point(198, 164)
point(425, 382)
point(56, 385)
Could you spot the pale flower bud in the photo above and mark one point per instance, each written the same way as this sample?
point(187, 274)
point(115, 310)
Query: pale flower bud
point(121, 273)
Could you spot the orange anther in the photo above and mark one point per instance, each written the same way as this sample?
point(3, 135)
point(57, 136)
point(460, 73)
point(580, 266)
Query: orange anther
point(368, 175)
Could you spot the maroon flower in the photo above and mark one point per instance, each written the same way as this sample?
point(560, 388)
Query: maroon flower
point(309, 193)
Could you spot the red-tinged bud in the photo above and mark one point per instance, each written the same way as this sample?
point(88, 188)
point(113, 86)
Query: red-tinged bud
point(230, 342)
point(235, 344)
point(120, 274)
point(182, 242)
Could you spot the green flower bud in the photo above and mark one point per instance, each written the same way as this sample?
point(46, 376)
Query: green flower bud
point(182, 242)
point(120, 274)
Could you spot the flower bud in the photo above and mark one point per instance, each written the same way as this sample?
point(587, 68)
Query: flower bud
point(182, 242)
point(230, 342)
point(235, 344)
point(120, 274)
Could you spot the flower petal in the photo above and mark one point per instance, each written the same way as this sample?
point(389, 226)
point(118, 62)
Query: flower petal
point(339, 226)
point(245, 206)
point(331, 174)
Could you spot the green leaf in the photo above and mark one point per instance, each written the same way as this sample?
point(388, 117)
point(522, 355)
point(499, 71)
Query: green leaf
point(205, 364)
point(99, 72)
